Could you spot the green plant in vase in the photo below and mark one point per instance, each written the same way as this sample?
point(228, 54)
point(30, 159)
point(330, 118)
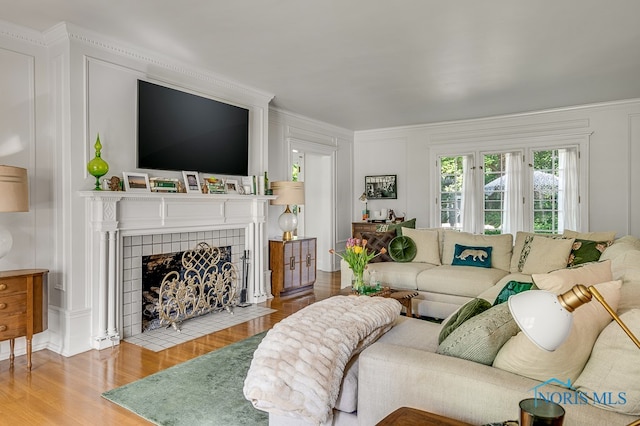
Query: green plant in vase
point(97, 167)
point(357, 257)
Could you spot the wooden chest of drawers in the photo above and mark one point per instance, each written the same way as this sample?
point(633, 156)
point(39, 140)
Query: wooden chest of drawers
point(23, 306)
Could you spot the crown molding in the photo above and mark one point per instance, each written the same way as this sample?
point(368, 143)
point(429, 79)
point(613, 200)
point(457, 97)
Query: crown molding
point(20, 33)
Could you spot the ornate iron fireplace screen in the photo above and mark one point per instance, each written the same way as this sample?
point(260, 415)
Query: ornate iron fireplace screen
point(205, 286)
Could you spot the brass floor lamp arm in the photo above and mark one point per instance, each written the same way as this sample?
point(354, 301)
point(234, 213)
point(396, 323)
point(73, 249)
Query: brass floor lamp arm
point(615, 316)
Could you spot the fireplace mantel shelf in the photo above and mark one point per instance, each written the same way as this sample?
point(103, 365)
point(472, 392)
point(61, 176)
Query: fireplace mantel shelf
point(112, 214)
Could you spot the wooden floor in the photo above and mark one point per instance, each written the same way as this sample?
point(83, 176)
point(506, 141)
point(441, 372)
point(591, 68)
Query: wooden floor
point(66, 391)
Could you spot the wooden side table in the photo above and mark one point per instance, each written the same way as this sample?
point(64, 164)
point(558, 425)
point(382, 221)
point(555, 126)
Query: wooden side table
point(23, 306)
point(406, 416)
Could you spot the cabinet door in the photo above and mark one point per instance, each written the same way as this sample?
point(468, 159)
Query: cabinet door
point(308, 261)
point(291, 260)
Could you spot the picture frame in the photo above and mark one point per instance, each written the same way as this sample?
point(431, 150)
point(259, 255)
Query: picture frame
point(136, 182)
point(381, 187)
point(192, 182)
point(231, 185)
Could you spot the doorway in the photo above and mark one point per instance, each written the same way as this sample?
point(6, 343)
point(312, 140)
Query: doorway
point(316, 218)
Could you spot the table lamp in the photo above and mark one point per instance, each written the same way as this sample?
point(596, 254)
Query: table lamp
point(288, 193)
point(365, 213)
point(546, 319)
point(14, 197)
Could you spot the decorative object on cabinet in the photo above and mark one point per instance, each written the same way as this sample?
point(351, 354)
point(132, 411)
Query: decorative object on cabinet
point(97, 167)
point(23, 307)
point(292, 264)
point(14, 197)
point(289, 194)
point(136, 182)
point(365, 213)
point(192, 182)
point(381, 187)
point(115, 184)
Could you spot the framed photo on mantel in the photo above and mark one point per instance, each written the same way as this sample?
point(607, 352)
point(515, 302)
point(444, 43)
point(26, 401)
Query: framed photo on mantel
point(381, 187)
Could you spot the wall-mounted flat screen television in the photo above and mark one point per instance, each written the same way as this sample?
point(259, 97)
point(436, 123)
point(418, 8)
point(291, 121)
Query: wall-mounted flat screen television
point(182, 131)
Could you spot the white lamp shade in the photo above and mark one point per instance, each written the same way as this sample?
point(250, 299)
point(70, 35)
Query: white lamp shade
point(541, 317)
point(14, 189)
point(289, 193)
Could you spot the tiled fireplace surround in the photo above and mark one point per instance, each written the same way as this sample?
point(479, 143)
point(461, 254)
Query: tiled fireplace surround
point(135, 247)
point(121, 224)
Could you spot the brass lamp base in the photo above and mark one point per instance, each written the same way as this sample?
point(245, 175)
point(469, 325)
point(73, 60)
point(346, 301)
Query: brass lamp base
point(287, 236)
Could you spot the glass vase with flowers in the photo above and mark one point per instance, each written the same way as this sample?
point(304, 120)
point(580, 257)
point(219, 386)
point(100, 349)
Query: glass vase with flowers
point(358, 257)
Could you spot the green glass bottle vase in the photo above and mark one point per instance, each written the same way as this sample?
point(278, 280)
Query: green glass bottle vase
point(97, 167)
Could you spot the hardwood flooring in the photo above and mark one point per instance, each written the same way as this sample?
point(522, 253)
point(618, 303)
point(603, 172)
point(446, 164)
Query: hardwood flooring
point(67, 391)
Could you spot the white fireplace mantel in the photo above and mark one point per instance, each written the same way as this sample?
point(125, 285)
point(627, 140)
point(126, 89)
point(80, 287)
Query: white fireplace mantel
point(112, 215)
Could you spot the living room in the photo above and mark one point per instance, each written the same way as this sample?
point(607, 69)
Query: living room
point(65, 83)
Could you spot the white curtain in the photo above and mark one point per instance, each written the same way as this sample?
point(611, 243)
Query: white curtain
point(568, 191)
point(512, 213)
point(467, 209)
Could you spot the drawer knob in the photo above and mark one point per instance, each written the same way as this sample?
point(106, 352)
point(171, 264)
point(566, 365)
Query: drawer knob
point(3, 305)
point(3, 328)
point(3, 287)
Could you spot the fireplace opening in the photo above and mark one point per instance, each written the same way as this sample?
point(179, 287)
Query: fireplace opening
point(182, 285)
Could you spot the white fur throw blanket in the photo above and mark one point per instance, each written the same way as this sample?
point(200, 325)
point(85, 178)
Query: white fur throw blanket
point(297, 368)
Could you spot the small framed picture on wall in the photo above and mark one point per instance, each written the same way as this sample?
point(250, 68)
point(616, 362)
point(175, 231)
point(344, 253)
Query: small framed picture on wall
point(192, 182)
point(136, 182)
point(381, 187)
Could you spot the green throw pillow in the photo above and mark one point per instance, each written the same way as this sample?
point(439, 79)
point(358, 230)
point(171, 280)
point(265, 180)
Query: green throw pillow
point(402, 249)
point(468, 310)
point(511, 288)
point(398, 226)
point(584, 251)
point(480, 338)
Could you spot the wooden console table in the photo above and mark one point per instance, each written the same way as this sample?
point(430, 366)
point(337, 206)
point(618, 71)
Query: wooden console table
point(23, 306)
point(405, 416)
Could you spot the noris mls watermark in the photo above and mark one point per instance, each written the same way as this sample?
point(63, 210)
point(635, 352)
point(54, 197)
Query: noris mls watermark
point(572, 396)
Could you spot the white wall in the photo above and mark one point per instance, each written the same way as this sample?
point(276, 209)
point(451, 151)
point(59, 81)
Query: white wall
point(614, 152)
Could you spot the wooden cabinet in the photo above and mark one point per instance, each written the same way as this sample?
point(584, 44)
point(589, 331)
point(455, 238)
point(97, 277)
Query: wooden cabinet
point(23, 306)
point(292, 264)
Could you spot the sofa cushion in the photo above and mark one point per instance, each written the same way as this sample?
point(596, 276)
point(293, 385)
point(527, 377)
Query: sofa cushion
point(378, 240)
point(468, 310)
point(501, 253)
point(402, 249)
point(399, 275)
point(465, 281)
point(614, 366)
point(564, 279)
point(521, 356)
point(593, 236)
point(546, 255)
point(584, 251)
point(480, 338)
point(472, 256)
point(511, 288)
point(626, 267)
point(428, 249)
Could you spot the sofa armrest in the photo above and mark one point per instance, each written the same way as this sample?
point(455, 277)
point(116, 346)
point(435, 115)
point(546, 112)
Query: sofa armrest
point(392, 376)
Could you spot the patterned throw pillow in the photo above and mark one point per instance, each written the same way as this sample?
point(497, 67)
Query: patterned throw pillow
point(468, 310)
point(472, 256)
point(511, 288)
point(378, 240)
point(584, 251)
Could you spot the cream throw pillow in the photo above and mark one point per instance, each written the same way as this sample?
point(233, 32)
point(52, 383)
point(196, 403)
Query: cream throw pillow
point(563, 280)
point(428, 248)
point(521, 356)
point(547, 254)
point(614, 366)
point(500, 255)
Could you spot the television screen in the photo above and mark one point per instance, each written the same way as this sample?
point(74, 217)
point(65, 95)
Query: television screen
point(181, 131)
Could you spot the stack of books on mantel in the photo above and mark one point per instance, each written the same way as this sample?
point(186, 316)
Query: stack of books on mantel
point(163, 184)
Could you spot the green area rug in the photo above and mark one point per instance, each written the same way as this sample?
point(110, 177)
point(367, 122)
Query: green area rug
point(203, 391)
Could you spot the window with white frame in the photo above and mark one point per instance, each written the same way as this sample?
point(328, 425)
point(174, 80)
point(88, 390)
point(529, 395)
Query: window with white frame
point(516, 188)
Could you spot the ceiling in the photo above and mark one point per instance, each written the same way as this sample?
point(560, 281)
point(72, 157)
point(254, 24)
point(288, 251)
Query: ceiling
point(364, 64)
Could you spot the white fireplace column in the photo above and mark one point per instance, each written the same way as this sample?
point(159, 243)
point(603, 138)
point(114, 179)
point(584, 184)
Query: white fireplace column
point(112, 214)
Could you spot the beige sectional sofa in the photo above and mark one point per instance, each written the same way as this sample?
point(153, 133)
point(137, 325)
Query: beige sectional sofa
point(404, 367)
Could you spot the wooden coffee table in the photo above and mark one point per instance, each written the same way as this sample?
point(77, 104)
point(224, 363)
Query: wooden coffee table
point(406, 416)
point(402, 296)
